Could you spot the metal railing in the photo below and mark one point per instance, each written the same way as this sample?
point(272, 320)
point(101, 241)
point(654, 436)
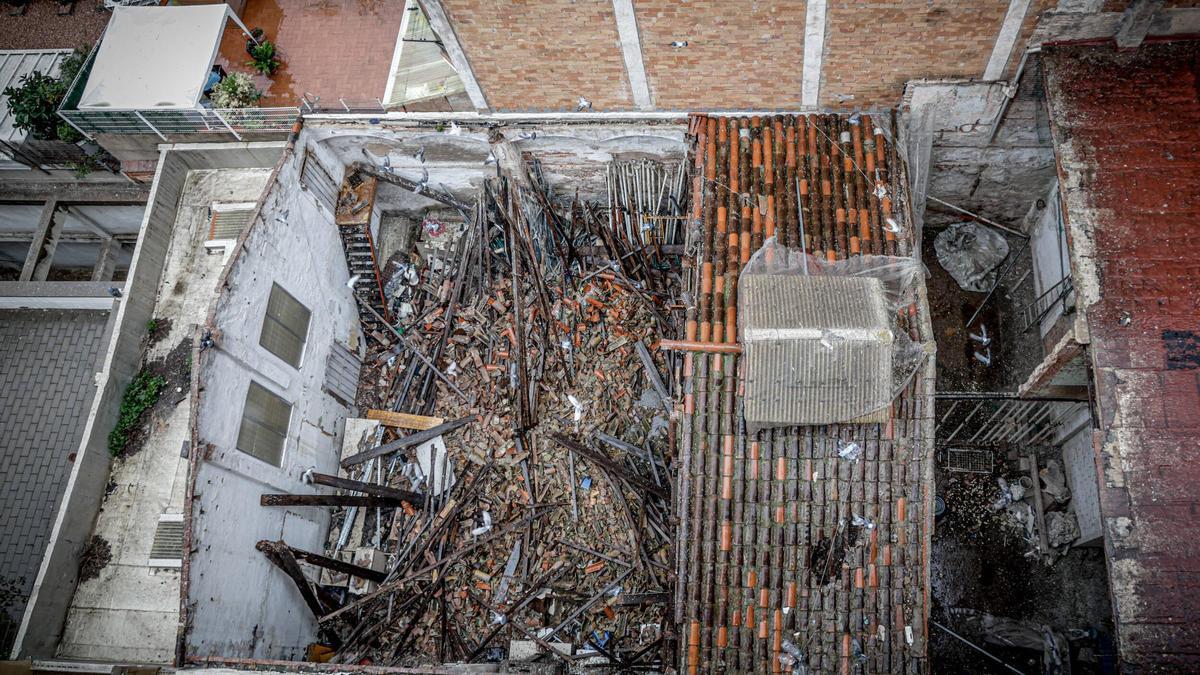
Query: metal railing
point(1000, 419)
point(1033, 313)
point(236, 122)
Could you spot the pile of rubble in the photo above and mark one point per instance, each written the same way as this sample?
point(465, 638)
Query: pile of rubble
point(508, 493)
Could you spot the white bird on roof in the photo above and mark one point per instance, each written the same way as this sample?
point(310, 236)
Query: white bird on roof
point(584, 104)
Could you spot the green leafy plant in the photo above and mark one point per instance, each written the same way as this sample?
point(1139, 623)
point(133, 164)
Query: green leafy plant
point(236, 90)
point(264, 57)
point(34, 101)
point(151, 325)
point(142, 393)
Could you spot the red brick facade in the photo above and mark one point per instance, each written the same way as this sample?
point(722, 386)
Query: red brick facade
point(543, 54)
point(1127, 137)
point(740, 55)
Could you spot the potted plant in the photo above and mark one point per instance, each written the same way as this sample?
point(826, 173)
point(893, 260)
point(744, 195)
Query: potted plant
point(34, 102)
point(264, 58)
point(236, 90)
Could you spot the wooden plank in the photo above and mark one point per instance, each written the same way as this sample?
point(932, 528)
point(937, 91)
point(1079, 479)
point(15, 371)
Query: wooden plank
point(404, 420)
point(330, 500)
point(408, 441)
point(338, 565)
point(416, 499)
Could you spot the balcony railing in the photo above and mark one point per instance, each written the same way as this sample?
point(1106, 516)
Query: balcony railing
point(170, 124)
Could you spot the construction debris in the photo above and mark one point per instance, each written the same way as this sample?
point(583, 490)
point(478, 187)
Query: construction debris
point(510, 489)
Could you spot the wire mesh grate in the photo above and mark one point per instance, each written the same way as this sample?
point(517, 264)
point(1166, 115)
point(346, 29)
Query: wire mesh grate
point(970, 460)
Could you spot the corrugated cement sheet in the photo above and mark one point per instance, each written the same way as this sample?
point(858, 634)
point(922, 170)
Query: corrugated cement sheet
point(818, 349)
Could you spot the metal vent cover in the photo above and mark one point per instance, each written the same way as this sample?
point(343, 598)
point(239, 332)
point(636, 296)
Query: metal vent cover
point(167, 549)
point(818, 349)
point(229, 220)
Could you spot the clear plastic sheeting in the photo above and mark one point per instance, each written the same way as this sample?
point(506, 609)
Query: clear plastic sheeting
point(826, 342)
point(971, 254)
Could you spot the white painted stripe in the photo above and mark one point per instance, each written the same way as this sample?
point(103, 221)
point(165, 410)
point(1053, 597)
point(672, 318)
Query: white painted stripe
point(814, 52)
point(1010, 30)
point(631, 49)
point(440, 22)
point(57, 302)
point(391, 82)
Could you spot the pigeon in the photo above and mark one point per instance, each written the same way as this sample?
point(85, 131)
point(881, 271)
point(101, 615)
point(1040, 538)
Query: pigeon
point(527, 135)
point(424, 179)
point(854, 119)
point(892, 226)
point(420, 154)
point(491, 159)
point(584, 104)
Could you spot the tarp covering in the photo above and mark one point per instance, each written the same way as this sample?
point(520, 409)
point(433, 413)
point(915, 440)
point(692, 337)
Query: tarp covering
point(155, 58)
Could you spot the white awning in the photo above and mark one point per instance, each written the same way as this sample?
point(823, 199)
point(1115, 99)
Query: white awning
point(155, 57)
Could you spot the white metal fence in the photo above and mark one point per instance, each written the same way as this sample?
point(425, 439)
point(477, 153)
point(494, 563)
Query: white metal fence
point(236, 122)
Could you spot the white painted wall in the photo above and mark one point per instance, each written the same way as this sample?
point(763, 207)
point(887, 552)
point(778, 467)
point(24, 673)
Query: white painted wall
point(1050, 254)
point(239, 604)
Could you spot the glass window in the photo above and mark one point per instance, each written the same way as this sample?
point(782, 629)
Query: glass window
point(285, 327)
point(264, 425)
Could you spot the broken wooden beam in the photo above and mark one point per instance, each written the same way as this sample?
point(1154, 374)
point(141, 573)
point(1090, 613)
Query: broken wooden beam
point(653, 375)
point(404, 420)
point(407, 442)
point(414, 498)
point(338, 565)
point(280, 554)
point(420, 188)
point(603, 462)
point(370, 501)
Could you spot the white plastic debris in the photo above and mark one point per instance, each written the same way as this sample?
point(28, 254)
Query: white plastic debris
point(849, 450)
point(486, 527)
point(436, 465)
point(860, 521)
point(353, 280)
point(578, 407)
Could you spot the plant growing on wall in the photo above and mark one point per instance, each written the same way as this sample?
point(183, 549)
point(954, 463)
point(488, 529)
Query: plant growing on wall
point(264, 57)
point(33, 103)
point(142, 393)
point(236, 90)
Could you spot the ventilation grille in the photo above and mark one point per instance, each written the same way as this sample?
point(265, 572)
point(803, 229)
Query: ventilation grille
point(167, 549)
point(317, 180)
point(341, 373)
point(229, 220)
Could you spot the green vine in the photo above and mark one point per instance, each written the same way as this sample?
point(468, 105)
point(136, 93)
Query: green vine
point(142, 393)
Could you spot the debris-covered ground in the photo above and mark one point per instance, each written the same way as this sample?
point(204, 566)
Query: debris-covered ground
point(526, 510)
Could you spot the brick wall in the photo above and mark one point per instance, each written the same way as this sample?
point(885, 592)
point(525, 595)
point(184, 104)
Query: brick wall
point(873, 48)
point(747, 54)
point(739, 55)
point(543, 54)
point(1126, 131)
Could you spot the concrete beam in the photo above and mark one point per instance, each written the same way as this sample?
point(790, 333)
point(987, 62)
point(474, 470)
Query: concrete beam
point(1135, 23)
point(631, 49)
point(106, 262)
point(1010, 30)
point(439, 20)
point(73, 193)
point(45, 239)
point(814, 53)
point(89, 222)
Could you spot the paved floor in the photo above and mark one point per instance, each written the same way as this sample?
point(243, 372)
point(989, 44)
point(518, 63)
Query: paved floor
point(334, 49)
point(47, 362)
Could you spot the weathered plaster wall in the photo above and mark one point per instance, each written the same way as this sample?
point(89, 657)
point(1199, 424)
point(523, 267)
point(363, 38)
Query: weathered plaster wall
point(954, 157)
point(238, 603)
